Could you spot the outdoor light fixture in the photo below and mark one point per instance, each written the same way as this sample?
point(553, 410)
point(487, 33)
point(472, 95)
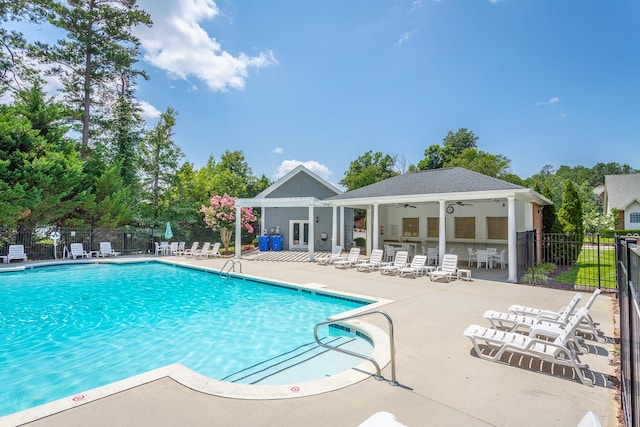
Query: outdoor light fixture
point(317, 219)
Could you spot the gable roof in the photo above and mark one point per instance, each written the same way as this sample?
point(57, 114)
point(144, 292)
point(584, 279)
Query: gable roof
point(437, 184)
point(290, 175)
point(622, 190)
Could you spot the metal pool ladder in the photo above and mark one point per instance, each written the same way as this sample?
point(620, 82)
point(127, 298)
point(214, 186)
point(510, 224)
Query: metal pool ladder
point(232, 267)
point(392, 348)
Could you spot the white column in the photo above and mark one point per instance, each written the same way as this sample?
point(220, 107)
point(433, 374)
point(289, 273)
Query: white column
point(512, 236)
point(238, 239)
point(334, 228)
point(369, 230)
point(341, 226)
point(312, 234)
point(442, 230)
point(263, 221)
point(375, 232)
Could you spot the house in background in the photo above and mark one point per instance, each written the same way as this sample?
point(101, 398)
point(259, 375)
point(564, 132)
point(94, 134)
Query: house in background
point(622, 192)
point(294, 208)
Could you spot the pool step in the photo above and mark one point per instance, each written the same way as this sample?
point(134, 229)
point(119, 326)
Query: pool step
point(305, 363)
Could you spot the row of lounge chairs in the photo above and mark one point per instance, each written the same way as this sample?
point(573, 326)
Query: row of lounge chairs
point(76, 250)
point(417, 267)
point(207, 250)
point(551, 336)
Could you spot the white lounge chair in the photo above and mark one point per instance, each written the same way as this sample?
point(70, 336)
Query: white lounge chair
point(373, 263)
point(77, 250)
point(16, 252)
point(214, 252)
point(399, 261)
point(556, 351)
point(192, 250)
point(106, 250)
point(513, 322)
point(203, 252)
point(587, 324)
point(539, 312)
point(336, 254)
point(447, 270)
point(417, 267)
point(350, 261)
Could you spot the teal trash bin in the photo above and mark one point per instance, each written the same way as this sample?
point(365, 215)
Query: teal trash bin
point(276, 243)
point(263, 243)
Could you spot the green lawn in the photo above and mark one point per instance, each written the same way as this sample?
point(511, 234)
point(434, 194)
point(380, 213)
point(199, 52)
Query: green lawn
point(585, 269)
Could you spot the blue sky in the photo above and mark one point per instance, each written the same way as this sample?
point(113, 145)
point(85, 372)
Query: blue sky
point(289, 82)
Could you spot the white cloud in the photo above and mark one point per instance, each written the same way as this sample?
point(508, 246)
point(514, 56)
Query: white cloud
point(149, 111)
point(551, 101)
point(278, 150)
point(288, 165)
point(178, 44)
point(405, 37)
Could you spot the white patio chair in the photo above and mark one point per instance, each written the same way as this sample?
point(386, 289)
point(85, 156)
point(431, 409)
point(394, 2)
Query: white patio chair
point(482, 257)
point(499, 259)
point(472, 256)
point(389, 253)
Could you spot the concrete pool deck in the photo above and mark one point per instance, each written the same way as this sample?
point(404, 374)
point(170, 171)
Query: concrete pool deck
point(450, 385)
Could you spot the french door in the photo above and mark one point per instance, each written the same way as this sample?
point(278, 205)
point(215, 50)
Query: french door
point(298, 234)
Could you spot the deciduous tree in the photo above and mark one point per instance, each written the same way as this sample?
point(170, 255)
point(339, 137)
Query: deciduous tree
point(368, 169)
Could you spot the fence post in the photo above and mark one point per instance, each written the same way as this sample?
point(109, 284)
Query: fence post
point(598, 246)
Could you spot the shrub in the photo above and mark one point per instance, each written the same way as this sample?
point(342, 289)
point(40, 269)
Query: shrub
point(538, 274)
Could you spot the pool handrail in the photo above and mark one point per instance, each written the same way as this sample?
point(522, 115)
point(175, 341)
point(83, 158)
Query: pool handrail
point(392, 349)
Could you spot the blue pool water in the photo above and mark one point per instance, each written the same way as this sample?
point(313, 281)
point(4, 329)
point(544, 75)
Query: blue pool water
point(71, 328)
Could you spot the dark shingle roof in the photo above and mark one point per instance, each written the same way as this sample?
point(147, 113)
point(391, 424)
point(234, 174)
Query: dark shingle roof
point(436, 181)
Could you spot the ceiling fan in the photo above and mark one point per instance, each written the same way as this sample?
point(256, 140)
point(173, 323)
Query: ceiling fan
point(405, 205)
point(461, 203)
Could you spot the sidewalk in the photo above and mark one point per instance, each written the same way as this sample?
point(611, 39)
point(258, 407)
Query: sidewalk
point(450, 386)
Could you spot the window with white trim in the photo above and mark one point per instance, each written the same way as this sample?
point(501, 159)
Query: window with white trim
point(634, 217)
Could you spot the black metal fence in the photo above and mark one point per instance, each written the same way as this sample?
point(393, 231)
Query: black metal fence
point(576, 261)
point(39, 243)
point(628, 270)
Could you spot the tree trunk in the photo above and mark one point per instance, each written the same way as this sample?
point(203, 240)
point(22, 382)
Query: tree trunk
point(225, 236)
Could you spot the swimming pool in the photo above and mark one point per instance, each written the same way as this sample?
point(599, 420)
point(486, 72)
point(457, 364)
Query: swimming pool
point(70, 328)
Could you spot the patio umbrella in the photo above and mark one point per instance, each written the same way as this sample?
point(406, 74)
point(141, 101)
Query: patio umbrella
point(168, 233)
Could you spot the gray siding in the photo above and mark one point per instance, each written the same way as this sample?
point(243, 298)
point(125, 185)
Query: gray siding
point(280, 217)
point(302, 185)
